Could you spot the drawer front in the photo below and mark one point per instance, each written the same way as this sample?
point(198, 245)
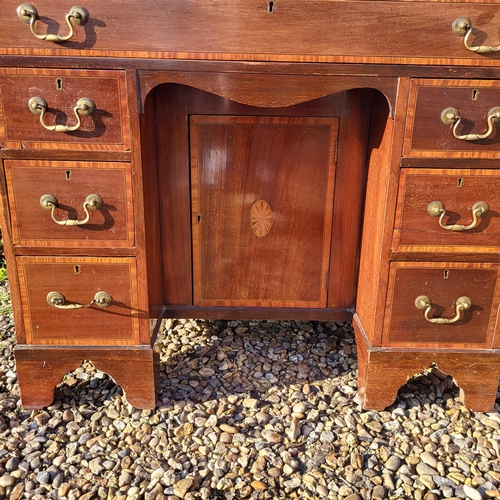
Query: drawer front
point(79, 280)
point(465, 202)
point(256, 29)
point(70, 183)
point(59, 93)
point(443, 284)
point(468, 103)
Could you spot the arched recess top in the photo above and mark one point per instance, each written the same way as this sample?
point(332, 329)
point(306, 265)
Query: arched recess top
point(269, 90)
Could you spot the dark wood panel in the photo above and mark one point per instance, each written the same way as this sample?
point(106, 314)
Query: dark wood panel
point(350, 180)
point(443, 283)
point(251, 30)
point(145, 155)
point(260, 90)
point(427, 135)
point(40, 369)
point(304, 314)
point(382, 372)
point(458, 190)
point(175, 205)
point(64, 155)
point(70, 183)
point(262, 209)
point(384, 155)
point(106, 128)
point(78, 279)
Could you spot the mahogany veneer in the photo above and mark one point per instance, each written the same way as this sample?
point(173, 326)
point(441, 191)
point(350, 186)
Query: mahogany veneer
point(258, 159)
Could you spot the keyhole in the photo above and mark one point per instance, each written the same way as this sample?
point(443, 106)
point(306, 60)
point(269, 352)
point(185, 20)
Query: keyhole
point(59, 84)
point(270, 7)
point(198, 218)
point(475, 93)
point(77, 269)
point(460, 182)
point(68, 175)
point(446, 274)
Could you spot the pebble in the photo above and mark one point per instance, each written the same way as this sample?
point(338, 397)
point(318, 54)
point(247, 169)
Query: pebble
point(393, 463)
point(472, 493)
point(6, 481)
point(424, 469)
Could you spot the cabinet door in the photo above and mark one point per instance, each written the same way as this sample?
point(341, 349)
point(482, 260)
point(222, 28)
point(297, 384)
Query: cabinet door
point(262, 209)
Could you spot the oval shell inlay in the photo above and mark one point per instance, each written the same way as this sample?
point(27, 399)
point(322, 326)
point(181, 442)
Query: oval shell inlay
point(261, 218)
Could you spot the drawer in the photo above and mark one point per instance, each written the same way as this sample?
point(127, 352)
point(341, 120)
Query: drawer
point(65, 99)
point(257, 29)
point(472, 108)
point(443, 284)
point(465, 202)
point(71, 184)
point(79, 280)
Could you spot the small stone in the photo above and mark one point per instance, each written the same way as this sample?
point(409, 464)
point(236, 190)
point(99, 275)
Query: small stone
point(424, 469)
point(12, 464)
point(258, 485)
point(299, 408)
point(6, 481)
point(183, 486)
point(17, 492)
point(262, 418)
point(228, 428)
point(327, 437)
point(379, 493)
point(212, 421)
point(293, 483)
point(429, 459)
point(259, 465)
point(323, 491)
point(393, 463)
point(64, 489)
point(251, 403)
point(206, 372)
point(472, 493)
point(272, 436)
point(294, 430)
point(43, 477)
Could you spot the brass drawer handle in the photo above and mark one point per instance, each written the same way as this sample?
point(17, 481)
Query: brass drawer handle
point(92, 202)
point(463, 27)
point(436, 209)
point(450, 116)
point(461, 304)
point(84, 107)
point(58, 300)
point(77, 15)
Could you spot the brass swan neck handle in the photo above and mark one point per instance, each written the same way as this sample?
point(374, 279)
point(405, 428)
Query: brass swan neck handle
point(461, 304)
point(463, 27)
point(92, 202)
point(77, 16)
point(451, 116)
point(437, 209)
point(58, 300)
point(84, 107)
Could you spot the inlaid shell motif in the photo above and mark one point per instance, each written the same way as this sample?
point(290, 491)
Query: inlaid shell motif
point(261, 218)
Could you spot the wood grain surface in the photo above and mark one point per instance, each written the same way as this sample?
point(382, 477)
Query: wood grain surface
point(458, 190)
point(106, 129)
point(317, 30)
point(443, 283)
point(428, 136)
point(70, 183)
point(40, 369)
point(78, 279)
point(289, 162)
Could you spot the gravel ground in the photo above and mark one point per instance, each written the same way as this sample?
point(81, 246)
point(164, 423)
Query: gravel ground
point(249, 409)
